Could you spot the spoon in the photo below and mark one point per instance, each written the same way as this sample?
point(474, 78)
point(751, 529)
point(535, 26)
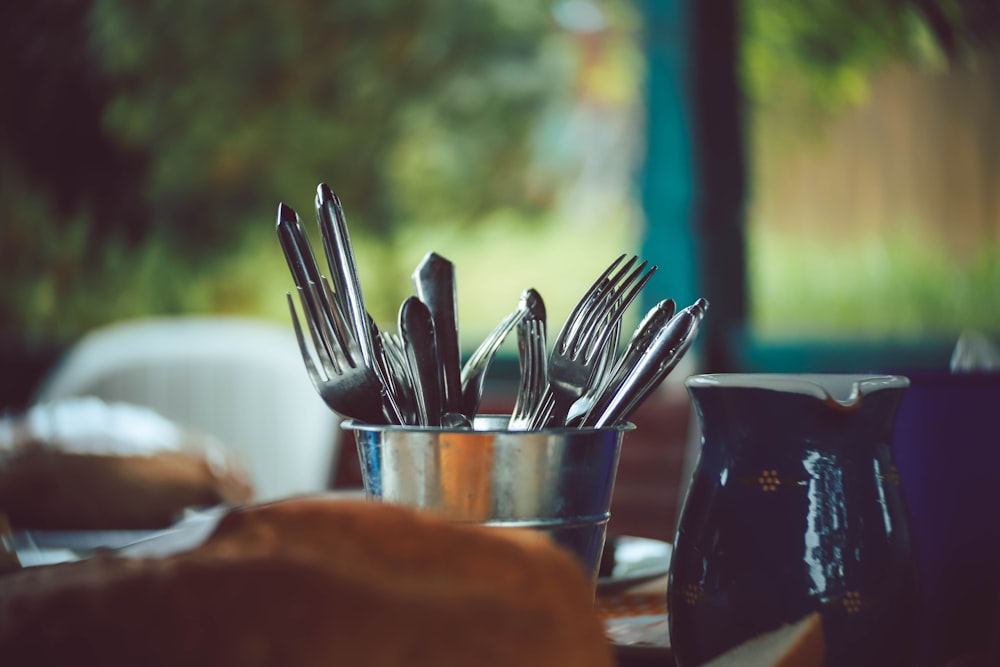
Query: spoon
point(595, 402)
point(417, 331)
point(666, 348)
point(474, 371)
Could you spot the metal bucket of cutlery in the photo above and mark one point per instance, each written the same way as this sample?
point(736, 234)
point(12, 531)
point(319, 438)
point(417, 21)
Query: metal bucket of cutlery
point(559, 481)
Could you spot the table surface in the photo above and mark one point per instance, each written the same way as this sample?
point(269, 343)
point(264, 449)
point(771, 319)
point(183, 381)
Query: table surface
point(652, 596)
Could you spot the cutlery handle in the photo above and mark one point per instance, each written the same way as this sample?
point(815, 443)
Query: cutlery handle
point(340, 256)
point(305, 274)
point(434, 281)
point(474, 370)
point(417, 330)
point(653, 322)
point(296, 247)
point(658, 359)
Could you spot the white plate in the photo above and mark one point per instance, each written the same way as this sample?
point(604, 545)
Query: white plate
point(44, 547)
point(637, 559)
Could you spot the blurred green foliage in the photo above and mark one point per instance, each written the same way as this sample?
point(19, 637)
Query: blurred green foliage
point(806, 64)
point(403, 107)
point(889, 284)
point(144, 147)
point(151, 142)
point(808, 59)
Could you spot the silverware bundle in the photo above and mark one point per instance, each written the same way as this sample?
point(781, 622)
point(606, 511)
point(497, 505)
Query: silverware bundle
point(414, 376)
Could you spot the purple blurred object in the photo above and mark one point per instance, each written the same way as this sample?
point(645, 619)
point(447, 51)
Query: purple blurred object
point(947, 450)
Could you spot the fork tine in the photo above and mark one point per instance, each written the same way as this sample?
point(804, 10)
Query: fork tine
point(544, 412)
point(525, 355)
point(399, 367)
point(603, 374)
point(611, 280)
point(327, 355)
point(597, 305)
point(536, 358)
point(612, 291)
point(307, 354)
point(596, 313)
point(583, 306)
point(587, 344)
point(533, 364)
point(305, 271)
point(338, 325)
point(623, 302)
point(534, 379)
point(391, 404)
point(593, 341)
point(394, 350)
point(608, 351)
point(521, 400)
point(543, 366)
point(324, 323)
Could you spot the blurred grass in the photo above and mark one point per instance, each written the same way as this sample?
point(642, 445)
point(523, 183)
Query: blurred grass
point(877, 285)
point(494, 263)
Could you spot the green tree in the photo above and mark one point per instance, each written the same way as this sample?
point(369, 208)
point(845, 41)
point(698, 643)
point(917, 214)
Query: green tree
point(245, 103)
point(818, 54)
point(207, 114)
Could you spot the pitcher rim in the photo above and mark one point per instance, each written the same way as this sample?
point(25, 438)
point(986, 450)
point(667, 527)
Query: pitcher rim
point(846, 389)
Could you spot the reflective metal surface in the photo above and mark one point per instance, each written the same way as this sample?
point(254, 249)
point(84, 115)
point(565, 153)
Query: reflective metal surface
point(559, 481)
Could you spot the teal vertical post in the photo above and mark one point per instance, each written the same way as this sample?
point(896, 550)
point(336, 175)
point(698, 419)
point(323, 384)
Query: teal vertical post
point(667, 186)
point(694, 180)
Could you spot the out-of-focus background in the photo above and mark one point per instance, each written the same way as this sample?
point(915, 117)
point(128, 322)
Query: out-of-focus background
point(826, 172)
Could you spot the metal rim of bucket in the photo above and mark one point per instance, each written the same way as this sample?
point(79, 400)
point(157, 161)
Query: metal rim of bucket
point(355, 425)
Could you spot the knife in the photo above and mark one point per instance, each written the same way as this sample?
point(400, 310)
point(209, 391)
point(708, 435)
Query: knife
point(434, 280)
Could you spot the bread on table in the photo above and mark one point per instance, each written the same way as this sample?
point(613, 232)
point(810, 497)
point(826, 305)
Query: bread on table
point(799, 644)
point(82, 464)
point(312, 581)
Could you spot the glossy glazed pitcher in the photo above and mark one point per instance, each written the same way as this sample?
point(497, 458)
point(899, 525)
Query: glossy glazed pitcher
point(794, 506)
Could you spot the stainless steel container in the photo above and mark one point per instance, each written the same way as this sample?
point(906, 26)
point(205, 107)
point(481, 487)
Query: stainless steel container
point(559, 481)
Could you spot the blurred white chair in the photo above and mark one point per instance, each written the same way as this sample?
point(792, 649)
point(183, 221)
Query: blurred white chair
point(240, 379)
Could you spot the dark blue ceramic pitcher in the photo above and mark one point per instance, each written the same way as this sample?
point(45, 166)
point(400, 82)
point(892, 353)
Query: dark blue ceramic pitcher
point(794, 507)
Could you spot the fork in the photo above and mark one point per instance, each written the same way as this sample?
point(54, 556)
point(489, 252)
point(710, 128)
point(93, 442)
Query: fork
point(577, 354)
point(342, 348)
point(606, 365)
point(397, 372)
point(534, 401)
point(347, 386)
